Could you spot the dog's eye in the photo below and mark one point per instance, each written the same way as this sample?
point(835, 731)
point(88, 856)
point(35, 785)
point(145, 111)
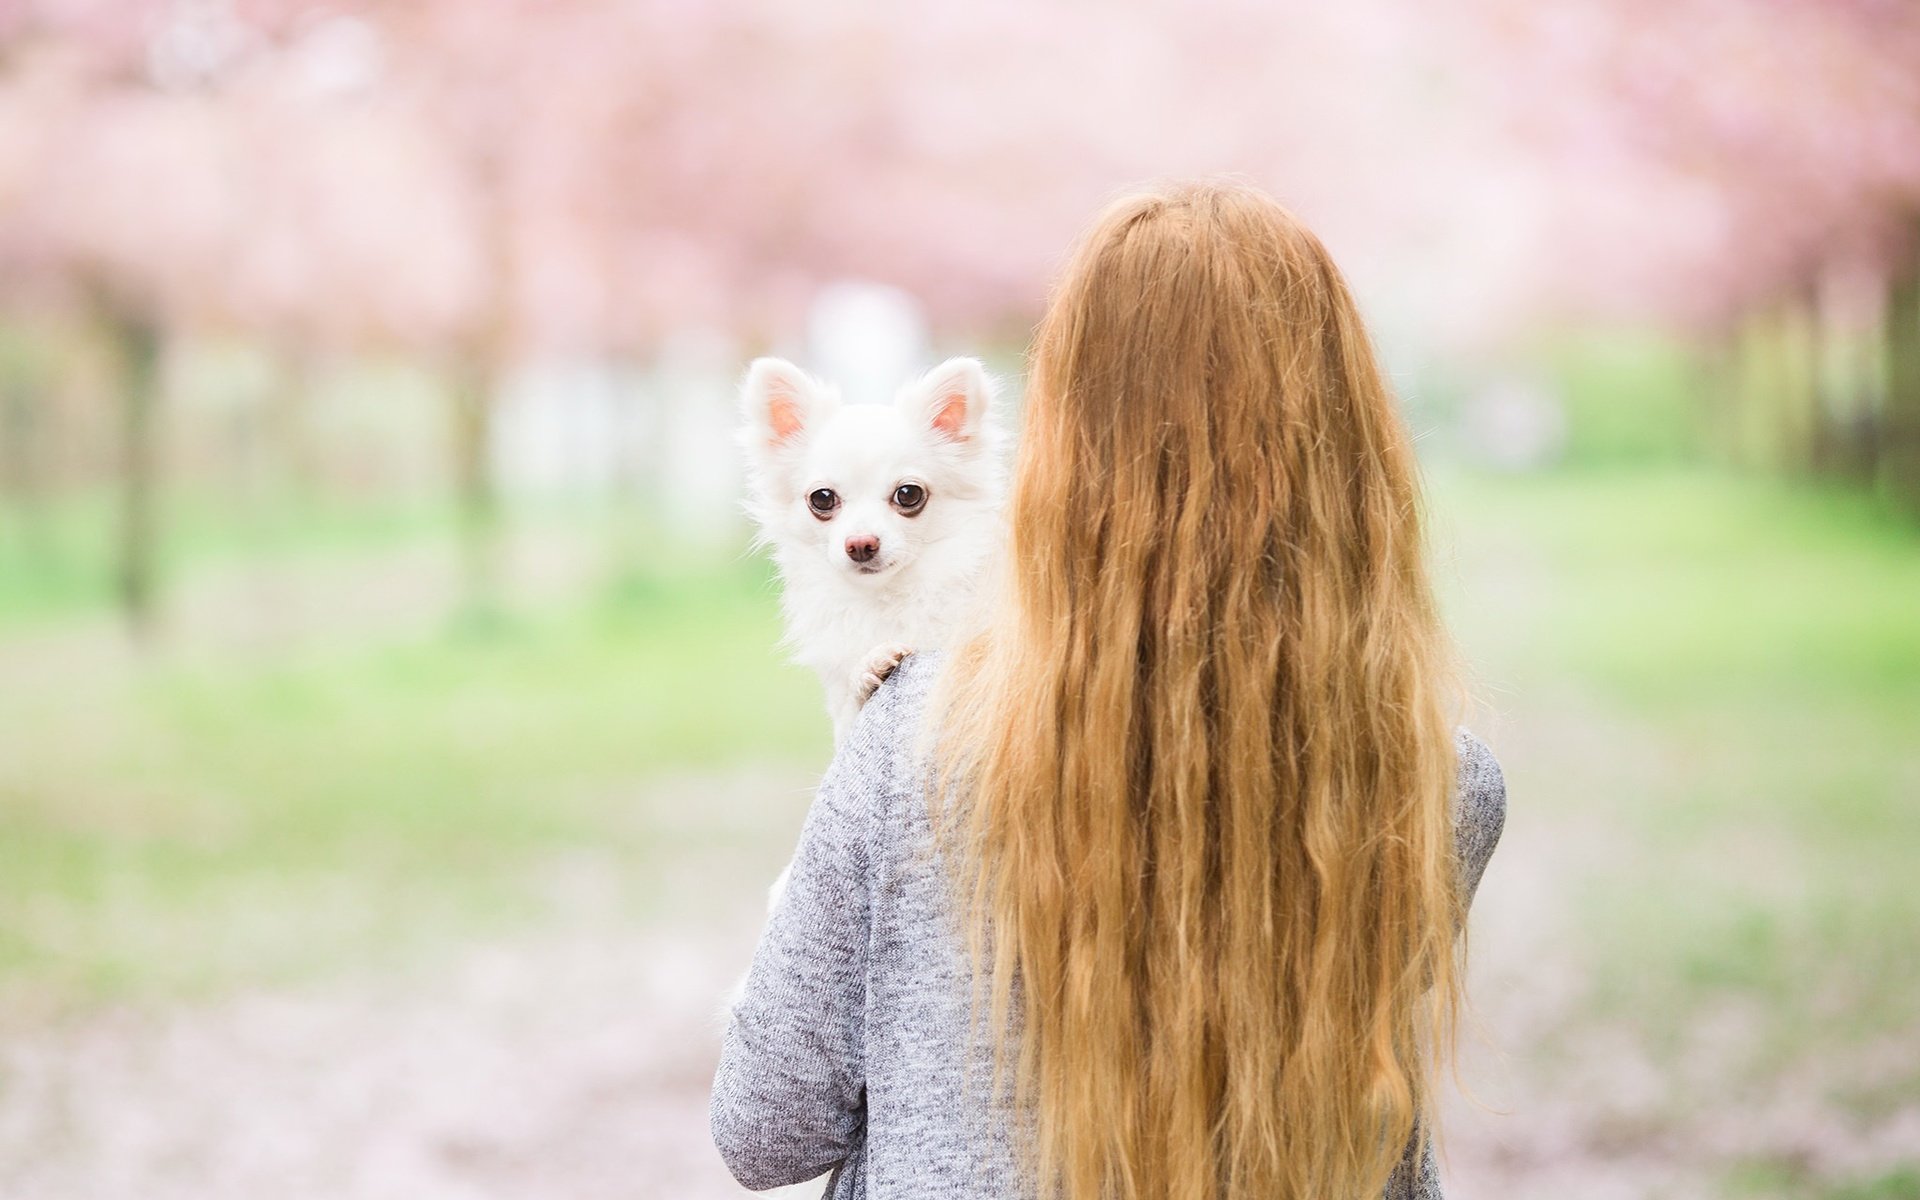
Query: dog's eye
point(822, 502)
point(909, 498)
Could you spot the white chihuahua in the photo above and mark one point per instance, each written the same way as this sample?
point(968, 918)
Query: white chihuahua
point(884, 519)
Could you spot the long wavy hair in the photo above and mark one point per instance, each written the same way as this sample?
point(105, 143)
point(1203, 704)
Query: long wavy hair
point(1195, 782)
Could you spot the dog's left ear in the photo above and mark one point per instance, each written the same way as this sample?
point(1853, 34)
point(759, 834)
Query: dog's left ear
point(951, 399)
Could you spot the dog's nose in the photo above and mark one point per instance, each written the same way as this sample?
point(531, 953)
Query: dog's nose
point(863, 548)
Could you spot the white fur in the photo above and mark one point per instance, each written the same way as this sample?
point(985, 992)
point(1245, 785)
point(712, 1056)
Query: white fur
point(934, 568)
point(937, 567)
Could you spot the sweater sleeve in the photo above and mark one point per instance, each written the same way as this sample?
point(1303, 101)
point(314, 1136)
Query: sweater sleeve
point(1480, 809)
point(1480, 813)
point(789, 1099)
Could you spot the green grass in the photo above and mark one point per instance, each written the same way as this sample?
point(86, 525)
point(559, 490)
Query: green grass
point(1630, 396)
point(1719, 676)
point(57, 557)
point(1743, 658)
point(216, 823)
point(1685, 590)
point(1771, 1179)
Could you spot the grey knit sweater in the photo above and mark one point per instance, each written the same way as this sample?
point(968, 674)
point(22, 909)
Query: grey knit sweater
point(848, 1049)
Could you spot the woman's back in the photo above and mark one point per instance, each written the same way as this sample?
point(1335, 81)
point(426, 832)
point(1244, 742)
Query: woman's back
point(1194, 786)
point(851, 1050)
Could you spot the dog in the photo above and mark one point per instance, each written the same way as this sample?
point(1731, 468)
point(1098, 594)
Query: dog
point(883, 519)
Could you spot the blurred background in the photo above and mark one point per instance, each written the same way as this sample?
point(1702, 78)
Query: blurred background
point(394, 740)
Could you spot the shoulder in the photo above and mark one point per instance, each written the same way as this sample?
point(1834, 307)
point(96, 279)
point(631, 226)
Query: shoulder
point(894, 713)
point(905, 691)
point(1481, 786)
point(1480, 804)
point(881, 752)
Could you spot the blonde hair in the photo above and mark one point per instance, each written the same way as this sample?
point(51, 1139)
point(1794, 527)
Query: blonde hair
point(1196, 781)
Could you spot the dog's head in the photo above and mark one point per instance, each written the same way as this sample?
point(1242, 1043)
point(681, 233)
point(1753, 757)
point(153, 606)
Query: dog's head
point(865, 490)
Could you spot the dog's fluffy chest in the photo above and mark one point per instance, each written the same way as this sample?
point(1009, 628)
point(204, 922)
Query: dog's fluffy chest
point(835, 629)
point(832, 629)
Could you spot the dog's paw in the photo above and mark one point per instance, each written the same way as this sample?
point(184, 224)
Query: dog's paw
point(879, 665)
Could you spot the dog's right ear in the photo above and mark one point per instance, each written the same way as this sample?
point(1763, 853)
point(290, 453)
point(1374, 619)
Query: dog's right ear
point(779, 401)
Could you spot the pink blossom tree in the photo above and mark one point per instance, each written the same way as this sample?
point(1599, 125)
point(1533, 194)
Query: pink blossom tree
point(476, 183)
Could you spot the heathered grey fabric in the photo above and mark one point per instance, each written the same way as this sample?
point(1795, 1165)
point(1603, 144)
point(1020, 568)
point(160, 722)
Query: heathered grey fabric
point(848, 1050)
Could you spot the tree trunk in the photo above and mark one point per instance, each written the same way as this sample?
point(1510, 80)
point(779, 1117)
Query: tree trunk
point(297, 375)
point(637, 394)
point(134, 342)
point(1757, 373)
point(17, 430)
point(1778, 401)
point(1847, 366)
point(476, 379)
point(1717, 374)
point(1778, 388)
point(24, 454)
point(1797, 419)
point(1900, 431)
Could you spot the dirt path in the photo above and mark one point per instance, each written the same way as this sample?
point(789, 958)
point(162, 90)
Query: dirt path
point(574, 1063)
point(1577, 1104)
point(569, 1069)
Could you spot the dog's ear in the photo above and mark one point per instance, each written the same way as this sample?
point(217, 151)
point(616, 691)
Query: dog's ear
point(779, 401)
point(951, 399)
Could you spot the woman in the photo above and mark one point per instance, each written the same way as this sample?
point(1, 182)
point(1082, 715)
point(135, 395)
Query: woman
point(1155, 890)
